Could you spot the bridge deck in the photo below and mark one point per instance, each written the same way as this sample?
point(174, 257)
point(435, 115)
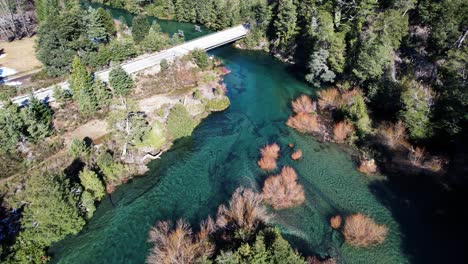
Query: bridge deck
point(207, 42)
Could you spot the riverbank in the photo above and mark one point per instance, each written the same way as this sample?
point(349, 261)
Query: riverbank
point(118, 142)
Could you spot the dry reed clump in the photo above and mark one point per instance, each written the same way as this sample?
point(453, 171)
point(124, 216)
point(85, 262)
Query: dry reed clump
point(271, 151)
point(305, 123)
point(347, 97)
point(296, 155)
point(329, 98)
point(282, 191)
point(179, 245)
point(245, 211)
point(361, 231)
point(332, 98)
point(341, 130)
point(267, 164)
point(417, 155)
point(303, 104)
point(394, 134)
point(367, 166)
point(269, 155)
point(335, 221)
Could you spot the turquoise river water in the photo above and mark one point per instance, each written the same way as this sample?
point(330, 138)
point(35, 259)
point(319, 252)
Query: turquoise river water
point(202, 171)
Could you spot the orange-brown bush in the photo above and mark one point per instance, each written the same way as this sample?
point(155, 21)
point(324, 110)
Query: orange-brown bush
point(269, 155)
point(347, 97)
point(271, 151)
point(361, 231)
point(296, 155)
point(282, 191)
point(329, 98)
point(335, 221)
point(179, 245)
point(245, 211)
point(394, 134)
point(341, 130)
point(267, 164)
point(367, 166)
point(305, 123)
point(303, 104)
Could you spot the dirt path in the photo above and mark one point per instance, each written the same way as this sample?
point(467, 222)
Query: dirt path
point(152, 103)
point(93, 129)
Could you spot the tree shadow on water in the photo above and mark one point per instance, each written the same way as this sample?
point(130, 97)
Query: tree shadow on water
point(428, 215)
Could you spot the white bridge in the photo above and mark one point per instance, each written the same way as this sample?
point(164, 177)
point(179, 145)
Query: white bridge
point(207, 42)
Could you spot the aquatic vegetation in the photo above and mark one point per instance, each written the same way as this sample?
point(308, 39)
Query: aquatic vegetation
point(282, 191)
point(361, 231)
point(335, 221)
point(179, 245)
point(267, 164)
point(305, 123)
point(270, 151)
point(303, 104)
point(245, 211)
point(296, 155)
point(269, 155)
point(342, 130)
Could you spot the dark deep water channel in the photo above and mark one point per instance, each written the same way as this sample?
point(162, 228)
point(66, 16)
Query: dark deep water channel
point(202, 171)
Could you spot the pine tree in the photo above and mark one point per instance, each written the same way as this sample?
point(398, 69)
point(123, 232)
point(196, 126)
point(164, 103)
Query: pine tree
point(120, 81)
point(79, 79)
point(155, 40)
point(285, 23)
point(140, 28)
point(38, 119)
point(91, 183)
point(102, 93)
point(46, 8)
point(11, 127)
point(101, 26)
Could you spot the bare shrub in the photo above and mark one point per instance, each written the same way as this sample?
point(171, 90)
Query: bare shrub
point(296, 155)
point(303, 104)
point(179, 245)
point(305, 123)
point(394, 134)
point(245, 211)
point(269, 155)
point(267, 164)
point(335, 221)
point(347, 97)
point(282, 191)
point(367, 166)
point(271, 151)
point(361, 231)
point(416, 155)
point(341, 130)
point(328, 98)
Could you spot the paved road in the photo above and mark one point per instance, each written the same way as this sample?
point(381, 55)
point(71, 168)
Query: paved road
point(207, 42)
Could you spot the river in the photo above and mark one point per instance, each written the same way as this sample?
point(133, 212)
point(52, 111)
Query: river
point(202, 171)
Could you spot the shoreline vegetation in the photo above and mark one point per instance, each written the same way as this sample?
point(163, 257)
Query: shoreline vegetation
point(60, 159)
point(398, 95)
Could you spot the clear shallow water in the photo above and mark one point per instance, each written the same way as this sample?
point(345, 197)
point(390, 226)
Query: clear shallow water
point(202, 171)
